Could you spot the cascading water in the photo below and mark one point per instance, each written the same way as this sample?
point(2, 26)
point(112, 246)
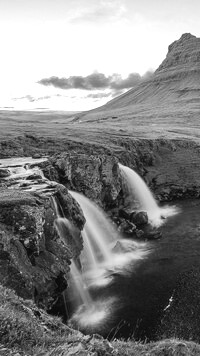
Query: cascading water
point(23, 173)
point(143, 199)
point(104, 256)
point(100, 255)
point(87, 310)
point(99, 232)
point(79, 286)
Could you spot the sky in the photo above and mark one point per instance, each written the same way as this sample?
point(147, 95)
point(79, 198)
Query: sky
point(76, 55)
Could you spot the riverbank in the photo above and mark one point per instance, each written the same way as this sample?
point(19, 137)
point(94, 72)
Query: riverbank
point(26, 330)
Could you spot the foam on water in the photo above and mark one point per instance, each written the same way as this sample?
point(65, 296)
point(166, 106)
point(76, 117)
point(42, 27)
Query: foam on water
point(94, 318)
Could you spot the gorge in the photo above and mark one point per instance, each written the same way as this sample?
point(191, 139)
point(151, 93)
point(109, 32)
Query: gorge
point(99, 214)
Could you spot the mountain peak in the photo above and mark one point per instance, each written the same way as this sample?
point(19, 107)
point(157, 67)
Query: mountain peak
point(174, 83)
point(181, 53)
point(183, 40)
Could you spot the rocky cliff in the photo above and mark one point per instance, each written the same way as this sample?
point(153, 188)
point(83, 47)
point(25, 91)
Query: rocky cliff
point(95, 175)
point(34, 261)
point(169, 167)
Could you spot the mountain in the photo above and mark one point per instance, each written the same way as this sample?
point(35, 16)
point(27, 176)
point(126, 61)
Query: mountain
point(177, 78)
point(174, 88)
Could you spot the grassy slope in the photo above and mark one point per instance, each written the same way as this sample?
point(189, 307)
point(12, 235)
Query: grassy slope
point(27, 330)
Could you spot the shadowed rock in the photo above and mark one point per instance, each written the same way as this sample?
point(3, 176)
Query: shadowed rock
point(33, 259)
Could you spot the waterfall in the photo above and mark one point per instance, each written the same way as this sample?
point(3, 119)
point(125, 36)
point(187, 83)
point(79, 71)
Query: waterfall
point(142, 198)
point(99, 233)
point(79, 286)
point(87, 311)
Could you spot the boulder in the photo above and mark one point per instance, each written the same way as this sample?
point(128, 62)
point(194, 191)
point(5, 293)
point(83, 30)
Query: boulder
point(139, 233)
point(124, 213)
point(139, 218)
point(127, 227)
point(4, 173)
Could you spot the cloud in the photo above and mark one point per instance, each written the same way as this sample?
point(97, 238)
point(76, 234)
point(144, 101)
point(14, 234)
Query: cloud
point(119, 83)
point(32, 99)
point(99, 95)
point(95, 81)
point(103, 11)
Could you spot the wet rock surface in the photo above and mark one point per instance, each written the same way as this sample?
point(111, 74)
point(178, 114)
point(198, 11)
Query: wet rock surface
point(134, 224)
point(34, 261)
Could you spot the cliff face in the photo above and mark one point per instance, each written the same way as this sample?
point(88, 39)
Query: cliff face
point(96, 176)
point(183, 55)
point(34, 261)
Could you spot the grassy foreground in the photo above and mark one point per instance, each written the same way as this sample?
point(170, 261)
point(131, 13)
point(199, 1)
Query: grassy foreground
point(26, 330)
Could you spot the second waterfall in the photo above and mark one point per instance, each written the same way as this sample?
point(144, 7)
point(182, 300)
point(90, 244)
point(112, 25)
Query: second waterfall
point(141, 198)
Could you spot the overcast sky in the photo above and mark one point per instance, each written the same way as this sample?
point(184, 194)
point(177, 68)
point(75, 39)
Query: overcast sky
point(78, 54)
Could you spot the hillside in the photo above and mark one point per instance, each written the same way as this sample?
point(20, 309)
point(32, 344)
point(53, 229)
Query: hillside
point(175, 81)
point(165, 105)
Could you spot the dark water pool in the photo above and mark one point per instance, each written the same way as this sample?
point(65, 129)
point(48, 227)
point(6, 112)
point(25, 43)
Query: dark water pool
point(145, 294)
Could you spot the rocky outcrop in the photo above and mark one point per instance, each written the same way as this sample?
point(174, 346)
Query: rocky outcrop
point(95, 176)
point(183, 53)
point(134, 224)
point(34, 260)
